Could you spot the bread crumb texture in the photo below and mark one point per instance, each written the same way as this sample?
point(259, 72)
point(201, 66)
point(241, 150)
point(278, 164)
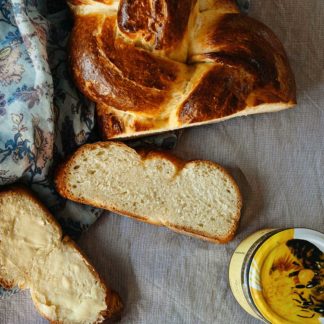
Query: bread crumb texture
point(197, 197)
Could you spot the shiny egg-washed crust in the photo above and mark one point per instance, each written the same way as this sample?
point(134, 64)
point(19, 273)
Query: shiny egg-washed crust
point(113, 301)
point(63, 188)
point(157, 65)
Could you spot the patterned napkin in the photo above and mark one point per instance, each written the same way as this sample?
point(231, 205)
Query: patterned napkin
point(43, 118)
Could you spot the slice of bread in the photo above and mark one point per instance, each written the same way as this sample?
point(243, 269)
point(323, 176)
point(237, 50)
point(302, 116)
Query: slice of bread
point(64, 286)
point(197, 198)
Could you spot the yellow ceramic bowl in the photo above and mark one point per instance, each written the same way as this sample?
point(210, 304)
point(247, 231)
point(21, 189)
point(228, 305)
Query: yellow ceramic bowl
point(277, 276)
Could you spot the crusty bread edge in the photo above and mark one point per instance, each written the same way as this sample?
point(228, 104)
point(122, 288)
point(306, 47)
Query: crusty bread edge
point(248, 111)
point(62, 188)
point(113, 301)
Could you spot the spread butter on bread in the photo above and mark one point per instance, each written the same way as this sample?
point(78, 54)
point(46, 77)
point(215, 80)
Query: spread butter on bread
point(34, 255)
point(197, 198)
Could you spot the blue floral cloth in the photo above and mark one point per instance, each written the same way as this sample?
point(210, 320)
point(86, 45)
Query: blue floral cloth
point(37, 127)
point(43, 118)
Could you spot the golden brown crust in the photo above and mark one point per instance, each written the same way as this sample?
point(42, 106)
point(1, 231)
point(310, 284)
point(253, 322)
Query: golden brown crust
point(251, 69)
point(6, 283)
point(113, 301)
point(165, 64)
point(146, 18)
point(229, 89)
point(108, 122)
point(62, 187)
point(115, 82)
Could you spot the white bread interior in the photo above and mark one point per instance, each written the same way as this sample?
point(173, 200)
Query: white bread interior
point(197, 198)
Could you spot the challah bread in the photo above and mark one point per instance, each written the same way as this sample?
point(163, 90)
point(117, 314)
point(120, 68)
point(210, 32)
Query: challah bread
point(158, 65)
point(34, 255)
point(197, 198)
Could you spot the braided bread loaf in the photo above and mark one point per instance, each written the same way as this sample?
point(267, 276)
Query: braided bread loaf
point(158, 65)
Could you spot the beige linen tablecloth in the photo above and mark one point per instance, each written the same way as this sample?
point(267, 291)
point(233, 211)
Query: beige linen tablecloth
point(278, 161)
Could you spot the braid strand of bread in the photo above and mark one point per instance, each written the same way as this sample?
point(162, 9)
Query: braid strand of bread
point(158, 65)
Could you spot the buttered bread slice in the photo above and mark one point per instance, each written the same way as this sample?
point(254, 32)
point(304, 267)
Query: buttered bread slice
point(34, 255)
point(197, 198)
